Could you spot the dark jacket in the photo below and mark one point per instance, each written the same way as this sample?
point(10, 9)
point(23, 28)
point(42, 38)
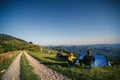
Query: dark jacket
point(88, 59)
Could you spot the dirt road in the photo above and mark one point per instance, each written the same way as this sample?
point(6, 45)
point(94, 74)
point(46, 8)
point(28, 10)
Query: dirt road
point(44, 72)
point(13, 72)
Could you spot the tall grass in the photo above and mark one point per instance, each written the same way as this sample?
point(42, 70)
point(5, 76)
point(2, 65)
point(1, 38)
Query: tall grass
point(5, 60)
point(78, 72)
point(27, 70)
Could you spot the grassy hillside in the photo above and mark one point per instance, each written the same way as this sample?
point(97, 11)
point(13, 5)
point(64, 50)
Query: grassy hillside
point(9, 43)
point(78, 72)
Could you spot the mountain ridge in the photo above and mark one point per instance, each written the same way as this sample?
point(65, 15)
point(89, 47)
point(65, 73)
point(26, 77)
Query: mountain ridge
point(112, 51)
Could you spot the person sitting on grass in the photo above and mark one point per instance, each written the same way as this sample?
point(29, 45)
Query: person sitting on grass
point(58, 55)
point(87, 60)
point(71, 59)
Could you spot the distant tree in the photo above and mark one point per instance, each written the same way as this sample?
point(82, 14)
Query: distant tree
point(30, 42)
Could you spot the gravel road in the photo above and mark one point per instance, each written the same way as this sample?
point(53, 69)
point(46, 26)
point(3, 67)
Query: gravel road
point(44, 72)
point(13, 72)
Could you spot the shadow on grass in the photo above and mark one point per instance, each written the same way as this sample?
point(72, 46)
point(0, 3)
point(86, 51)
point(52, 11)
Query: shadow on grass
point(61, 59)
point(62, 64)
point(50, 58)
point(58, 64)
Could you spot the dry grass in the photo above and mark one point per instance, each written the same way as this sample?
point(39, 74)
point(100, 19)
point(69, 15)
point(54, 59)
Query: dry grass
point(5, 60)
point(6, 56)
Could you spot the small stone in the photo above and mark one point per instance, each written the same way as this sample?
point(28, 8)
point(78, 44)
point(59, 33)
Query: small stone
point(2, 71)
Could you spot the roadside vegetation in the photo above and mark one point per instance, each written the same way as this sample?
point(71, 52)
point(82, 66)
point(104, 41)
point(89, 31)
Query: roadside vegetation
point(78, 72)
point(27, 70)
point(5, 60)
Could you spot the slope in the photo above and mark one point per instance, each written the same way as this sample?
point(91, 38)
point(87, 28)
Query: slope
point(10, 43)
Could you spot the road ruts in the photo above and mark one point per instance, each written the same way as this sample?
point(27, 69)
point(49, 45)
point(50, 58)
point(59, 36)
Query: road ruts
point(13, 72)
point(44, 72)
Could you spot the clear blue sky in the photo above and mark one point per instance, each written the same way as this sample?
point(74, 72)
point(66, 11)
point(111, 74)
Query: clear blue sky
point(61, 22)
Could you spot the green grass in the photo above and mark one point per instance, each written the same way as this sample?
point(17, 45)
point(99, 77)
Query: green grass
point(5, 60)
point(78, 72)
point(27, 70)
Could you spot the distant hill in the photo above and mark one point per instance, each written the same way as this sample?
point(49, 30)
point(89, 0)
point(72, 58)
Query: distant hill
point(10, 43)
point(112, 51)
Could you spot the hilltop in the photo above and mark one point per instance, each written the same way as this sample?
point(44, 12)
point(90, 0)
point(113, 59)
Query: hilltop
point(10, 43)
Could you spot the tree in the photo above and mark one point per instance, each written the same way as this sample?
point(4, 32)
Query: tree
point(31, 42)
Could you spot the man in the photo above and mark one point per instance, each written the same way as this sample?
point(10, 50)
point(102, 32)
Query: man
point(88, 59)
point(58, 55)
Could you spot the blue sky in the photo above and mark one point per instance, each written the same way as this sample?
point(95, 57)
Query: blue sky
point(61, 22)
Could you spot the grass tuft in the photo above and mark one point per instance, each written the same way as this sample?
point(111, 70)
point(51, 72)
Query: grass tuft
point(27, 70)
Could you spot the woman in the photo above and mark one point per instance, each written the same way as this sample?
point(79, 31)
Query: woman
point(71, 59)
